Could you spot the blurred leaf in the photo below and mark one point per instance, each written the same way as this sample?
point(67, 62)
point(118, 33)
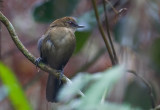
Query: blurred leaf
point(94, 93)
point(72, 89)
point(50, 10)
point(81, 38)
point(155, 53)
point(42, 12)
point(79, 82)
point(95, 86)
point(137, 95)
point(88, 19)
point(102, 106)
point(15, 91)
point(113, 106)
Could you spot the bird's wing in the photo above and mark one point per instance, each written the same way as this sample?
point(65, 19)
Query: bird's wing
point(40, 43)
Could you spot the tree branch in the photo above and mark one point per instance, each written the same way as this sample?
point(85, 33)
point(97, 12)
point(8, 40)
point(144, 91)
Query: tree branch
point(108, 33)
point(27, 54)
point(102, 33)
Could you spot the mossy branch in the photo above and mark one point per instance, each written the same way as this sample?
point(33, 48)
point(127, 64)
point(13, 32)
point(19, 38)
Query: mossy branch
point(27, 54)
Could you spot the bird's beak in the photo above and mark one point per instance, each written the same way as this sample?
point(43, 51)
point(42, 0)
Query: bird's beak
point(79, 26)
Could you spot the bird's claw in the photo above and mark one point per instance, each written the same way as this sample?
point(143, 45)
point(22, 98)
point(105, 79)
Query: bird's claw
point(61, 75)
point(37, 61)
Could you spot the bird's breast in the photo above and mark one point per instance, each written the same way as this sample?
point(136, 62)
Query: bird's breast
point(63, 37)
point(63, 44)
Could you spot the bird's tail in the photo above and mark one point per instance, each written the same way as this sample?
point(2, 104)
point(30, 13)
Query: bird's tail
point(52, 88)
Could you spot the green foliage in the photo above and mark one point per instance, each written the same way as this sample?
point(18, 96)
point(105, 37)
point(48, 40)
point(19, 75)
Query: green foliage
point(15, 91)
point(81, 38)
point(50, 10)
point(96, 91)
point(96, 88)
point(155, 53)
point(43, 12)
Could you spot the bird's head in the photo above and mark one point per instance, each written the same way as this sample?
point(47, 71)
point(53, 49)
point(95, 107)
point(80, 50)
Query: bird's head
point(68, 22)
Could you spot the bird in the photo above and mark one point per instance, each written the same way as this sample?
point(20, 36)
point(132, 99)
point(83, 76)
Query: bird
point(56, 47)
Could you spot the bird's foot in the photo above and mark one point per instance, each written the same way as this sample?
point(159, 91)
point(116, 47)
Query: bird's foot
point(37, 61)
point(60, 76)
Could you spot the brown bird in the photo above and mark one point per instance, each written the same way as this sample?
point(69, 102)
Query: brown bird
point(56, 47)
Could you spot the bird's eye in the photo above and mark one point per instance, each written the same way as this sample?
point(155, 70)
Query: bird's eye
point(70, 22)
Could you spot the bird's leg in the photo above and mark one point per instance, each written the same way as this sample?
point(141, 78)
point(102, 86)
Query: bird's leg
point(38, 60)
point(61, 74)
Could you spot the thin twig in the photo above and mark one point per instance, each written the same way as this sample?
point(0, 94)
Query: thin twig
point(147, 84)
point(27, 54)
point(108, 32)
point(1, 5)
point(0, 39)
point(116, 12)
point(102, 33)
